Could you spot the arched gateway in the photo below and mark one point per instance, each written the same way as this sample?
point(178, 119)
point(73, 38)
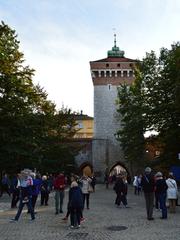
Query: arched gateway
point(107, 74)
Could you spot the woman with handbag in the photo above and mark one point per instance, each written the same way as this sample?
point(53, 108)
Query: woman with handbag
point(86, 189)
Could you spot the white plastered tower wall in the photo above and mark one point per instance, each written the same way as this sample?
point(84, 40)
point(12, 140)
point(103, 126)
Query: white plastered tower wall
point(107, 75)
point(106, 149)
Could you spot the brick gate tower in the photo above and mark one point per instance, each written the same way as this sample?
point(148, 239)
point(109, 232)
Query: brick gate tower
point(107, 74)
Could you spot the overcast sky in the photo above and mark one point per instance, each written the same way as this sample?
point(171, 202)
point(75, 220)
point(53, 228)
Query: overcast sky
point(60, 37)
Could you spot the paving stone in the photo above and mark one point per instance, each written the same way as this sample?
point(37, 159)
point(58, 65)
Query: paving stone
point(103, 221)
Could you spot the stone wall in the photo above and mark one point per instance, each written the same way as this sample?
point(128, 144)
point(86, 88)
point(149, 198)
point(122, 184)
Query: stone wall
point(105, 149)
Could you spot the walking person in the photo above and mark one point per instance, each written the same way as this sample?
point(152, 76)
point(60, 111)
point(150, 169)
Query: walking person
point(35, 189)
point(26, 183)
point(59, 187)
point(121, 190)
point(160, 190)
point(75, 204)
point(172, 192)
point(148, 188)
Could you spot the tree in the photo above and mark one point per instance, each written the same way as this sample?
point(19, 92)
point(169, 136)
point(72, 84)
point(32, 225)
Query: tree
point(130, 134)
point(153, 101)
point(32, 132)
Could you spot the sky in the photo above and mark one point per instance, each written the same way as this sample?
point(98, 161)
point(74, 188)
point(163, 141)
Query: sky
point(60, 37)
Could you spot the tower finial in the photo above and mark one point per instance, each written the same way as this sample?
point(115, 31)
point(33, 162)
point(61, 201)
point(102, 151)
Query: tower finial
point(114, 40)
point(115, 52)
point(114, 30)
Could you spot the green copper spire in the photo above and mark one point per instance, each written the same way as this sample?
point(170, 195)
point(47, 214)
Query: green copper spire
point(115, 52)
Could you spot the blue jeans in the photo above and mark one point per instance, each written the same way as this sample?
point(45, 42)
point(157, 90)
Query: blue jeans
point(29, 206)
point(59, 197)
point(162, 201)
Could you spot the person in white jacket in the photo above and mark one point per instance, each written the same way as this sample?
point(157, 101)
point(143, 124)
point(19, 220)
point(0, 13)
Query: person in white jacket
point(86, 189)
point(172, 192)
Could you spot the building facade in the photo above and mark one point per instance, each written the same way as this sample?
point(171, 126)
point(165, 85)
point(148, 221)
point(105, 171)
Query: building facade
point(107, 74)
point(84, 135)
point(84, 127)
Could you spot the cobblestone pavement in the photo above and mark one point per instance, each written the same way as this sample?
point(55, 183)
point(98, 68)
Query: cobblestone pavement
point(103, 221)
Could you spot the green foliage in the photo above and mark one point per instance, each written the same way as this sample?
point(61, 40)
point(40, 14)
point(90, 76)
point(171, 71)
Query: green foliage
point(153, 101)
point(32, 133)
point(132, 129)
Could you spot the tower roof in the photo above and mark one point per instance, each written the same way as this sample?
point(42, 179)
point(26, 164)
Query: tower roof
point(115, 55)
point(115, 51)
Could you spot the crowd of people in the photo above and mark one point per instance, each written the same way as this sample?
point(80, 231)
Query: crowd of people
point(159, 191)
point(25, 187)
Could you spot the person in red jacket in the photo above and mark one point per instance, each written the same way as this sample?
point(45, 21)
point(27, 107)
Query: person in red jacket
point(59, 186)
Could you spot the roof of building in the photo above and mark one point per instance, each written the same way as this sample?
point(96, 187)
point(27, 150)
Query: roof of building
point(83, 117)
point(116, 59)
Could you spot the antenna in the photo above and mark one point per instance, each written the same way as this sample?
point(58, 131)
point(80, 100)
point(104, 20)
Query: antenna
point(114, 30)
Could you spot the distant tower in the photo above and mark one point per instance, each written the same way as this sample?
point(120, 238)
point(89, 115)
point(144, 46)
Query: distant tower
point(107, 74)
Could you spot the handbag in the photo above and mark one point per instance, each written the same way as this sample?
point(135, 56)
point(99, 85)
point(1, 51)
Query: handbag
point(90, 189)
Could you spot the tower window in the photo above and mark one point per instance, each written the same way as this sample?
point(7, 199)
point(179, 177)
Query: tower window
point(124, 73)
point(118, 65)
point(130, 73)
point(107, 64)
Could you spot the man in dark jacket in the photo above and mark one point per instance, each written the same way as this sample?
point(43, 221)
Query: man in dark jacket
point(160, 189)
point(75, 204)
point(148, 185)
point(121, 191)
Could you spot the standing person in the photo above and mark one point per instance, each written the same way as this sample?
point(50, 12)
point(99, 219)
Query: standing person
point(26, 183)
point(44, 191)
point(15, 188)
point(5, 185)
point(139, 178)
point(121, 191)
point(75, 204)
point(135, 184)
point(172, 192)
point(74, 178)
point(125, 188)
point(86, 186)
point(160, 190)
point(148, 188)
point(106, 180)
point(59, 187)
point(93, 182)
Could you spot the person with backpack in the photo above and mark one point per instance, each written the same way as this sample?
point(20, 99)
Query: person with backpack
point(160, 190)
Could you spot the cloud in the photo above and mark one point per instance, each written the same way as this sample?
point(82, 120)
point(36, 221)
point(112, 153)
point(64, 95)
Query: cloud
point(59, 38)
